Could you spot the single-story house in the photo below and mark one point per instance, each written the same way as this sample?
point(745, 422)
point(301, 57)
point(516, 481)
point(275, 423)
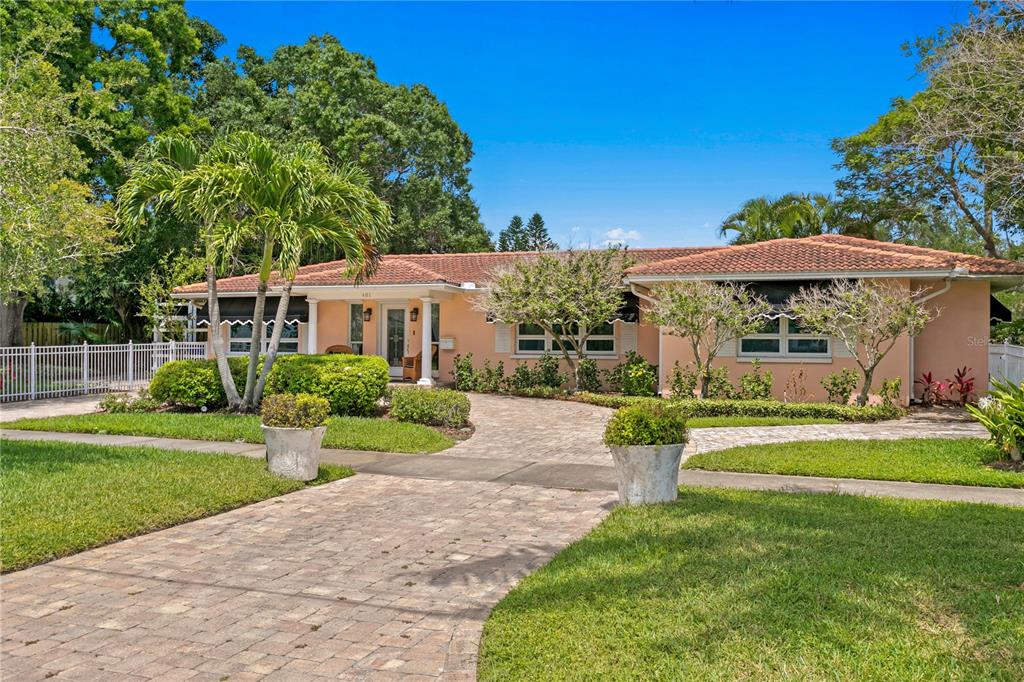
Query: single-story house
point(422, 303)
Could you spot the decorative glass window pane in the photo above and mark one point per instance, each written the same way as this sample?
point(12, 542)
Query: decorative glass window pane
point(355, 327)
point(289, 342)
point(435, 336)
point(241, 337)
point(759, 345)
point(601, 345)
point(814, 346)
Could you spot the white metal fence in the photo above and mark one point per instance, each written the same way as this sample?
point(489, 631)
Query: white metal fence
point(31, 372)
point(1006, 362)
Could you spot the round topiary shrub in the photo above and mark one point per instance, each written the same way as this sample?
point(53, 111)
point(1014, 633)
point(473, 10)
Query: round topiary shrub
point(647, 423)
point(194, 383)
point(295, 411)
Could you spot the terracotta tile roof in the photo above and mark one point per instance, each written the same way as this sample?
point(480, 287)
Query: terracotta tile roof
point(825, 254)
point(451, 268)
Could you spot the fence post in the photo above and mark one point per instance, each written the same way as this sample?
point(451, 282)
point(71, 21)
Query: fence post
point(173, 352)
point(131, 365)
point(85, 367)
point(32, 371)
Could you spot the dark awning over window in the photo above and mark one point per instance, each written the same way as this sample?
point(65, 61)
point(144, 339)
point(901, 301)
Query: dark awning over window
point(629, 311)
point(998, 312)
point(242, 308)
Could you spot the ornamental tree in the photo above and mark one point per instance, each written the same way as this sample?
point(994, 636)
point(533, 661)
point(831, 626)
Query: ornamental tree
point(708, 315)
point(866, 316)
point(567, 294)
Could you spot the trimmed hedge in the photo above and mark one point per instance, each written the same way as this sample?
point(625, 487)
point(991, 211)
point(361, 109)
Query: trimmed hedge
point(295, 411)
point(648, 423)
point(431, 406)
point(750, 408)
point(353, 384)
point(195, 383)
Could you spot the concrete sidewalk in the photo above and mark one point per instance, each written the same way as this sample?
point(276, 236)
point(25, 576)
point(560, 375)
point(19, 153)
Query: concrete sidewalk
point(556, 475)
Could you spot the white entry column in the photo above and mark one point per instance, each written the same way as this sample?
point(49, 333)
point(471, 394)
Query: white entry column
point(311, 330)
point(425, 374)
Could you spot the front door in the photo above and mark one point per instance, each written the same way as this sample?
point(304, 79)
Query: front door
point(394, 338)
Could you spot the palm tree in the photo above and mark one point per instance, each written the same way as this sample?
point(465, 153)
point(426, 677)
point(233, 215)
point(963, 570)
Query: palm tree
point(246, 189)
point(792, 215)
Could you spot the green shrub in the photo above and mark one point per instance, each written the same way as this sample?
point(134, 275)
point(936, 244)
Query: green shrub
point(683, 382)
point(1002, 413)
point(353, 384)
point(589, 378)
point(748, 408)
point(646, 424)
point(195, 383)
point(719, 386)
point(492, 379)
point(463, 373)
point(295, 411)
point(539, 392)
point(757, 383)
point(840, 385)
point(890, 392)
point(635, 376)
point(121, 403)
point(548, 373)
point(431, 406)
point(523, 378)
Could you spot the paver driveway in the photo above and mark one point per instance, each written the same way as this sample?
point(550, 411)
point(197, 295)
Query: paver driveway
point(373, 577)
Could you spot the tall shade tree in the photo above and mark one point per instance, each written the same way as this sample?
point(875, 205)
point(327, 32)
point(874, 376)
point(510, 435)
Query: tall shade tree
point(402, 137)
point(50, 224)
point(242, 189)
point(868, 317)
point(957, 145)
point(789, 216)
point(707, 315)
point(569, 295)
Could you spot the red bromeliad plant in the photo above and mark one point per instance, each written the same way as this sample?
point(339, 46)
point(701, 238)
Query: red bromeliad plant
point(963, 383)
point(933, 391)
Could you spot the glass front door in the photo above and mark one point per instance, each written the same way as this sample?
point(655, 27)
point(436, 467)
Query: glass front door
point(394, 338)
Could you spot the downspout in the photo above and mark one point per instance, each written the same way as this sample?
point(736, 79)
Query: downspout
point(953, 274)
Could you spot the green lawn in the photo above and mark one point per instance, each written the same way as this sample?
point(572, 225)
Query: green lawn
point(715, 422)
point(925, 460)
point(731, 585)
point(353, 433)
point(61, 498)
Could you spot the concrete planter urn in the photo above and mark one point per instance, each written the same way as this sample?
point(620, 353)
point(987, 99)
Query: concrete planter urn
point(293, 428)
point(293, 453)
point(647, 474)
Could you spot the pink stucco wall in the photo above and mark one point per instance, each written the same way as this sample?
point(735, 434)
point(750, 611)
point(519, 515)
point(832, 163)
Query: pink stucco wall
point(958, 335)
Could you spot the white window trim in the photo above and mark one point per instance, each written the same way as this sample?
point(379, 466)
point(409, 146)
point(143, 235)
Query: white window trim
point(551, 346)
point(784, 353)
point(352, 342)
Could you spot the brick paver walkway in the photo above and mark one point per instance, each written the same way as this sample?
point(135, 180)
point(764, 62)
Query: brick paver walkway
point(373, 577)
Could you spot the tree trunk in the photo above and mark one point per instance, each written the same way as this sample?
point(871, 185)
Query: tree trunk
point(12, 314)
point(862, 397)
point(275, 340)
point(248, 404)
point(228, 381)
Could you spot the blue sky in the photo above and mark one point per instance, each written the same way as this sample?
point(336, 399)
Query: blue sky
point(648, 121)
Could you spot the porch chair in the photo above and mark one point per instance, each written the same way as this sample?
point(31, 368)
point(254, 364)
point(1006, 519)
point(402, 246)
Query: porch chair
point(411, 365)
point(340, 348)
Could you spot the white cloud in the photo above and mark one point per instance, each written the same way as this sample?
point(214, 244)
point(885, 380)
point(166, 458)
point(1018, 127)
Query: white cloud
point(620, 237)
